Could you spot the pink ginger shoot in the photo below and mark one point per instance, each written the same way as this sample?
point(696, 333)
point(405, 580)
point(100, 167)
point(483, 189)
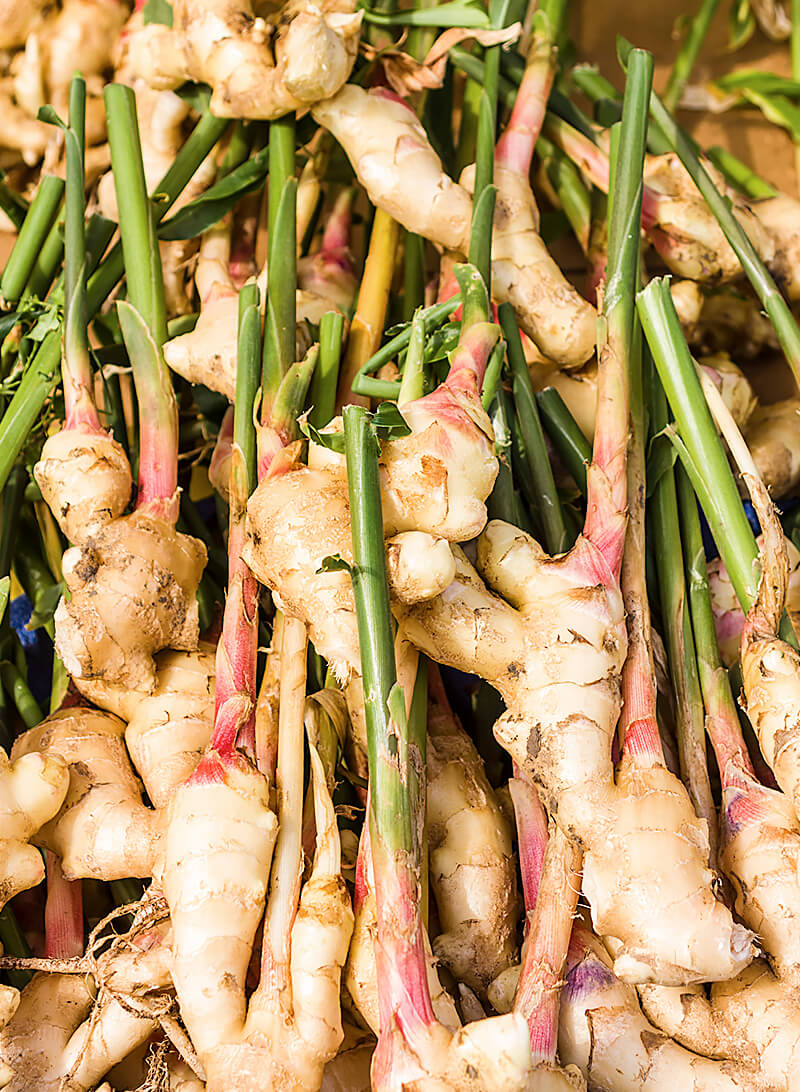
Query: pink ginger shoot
point(551, 883)
point(63, 912)
point(158, 417)
point(515, 147)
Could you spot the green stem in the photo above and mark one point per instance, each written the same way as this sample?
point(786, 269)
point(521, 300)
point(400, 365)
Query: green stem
point(739, 175)
point(413, 382)
point(504, 501)
point(46, 264)
point(492, 377)
point(41, 215)
point(721, 504)
point(470, 114)
point(616, 343)
point(413, 274)
point(677, 625)
point(714, 681)
point(142, 257)
point(43, 369)
point(17, 687)
point(772, 301)
point(364, 384)
point(689, 51)
point(13, 204)
point(387, 739)
point(247, 379)
point(556, 539)
point(76, 368)
point(418, 748)
point(13, 495)
point(326, 374)
point(279, 333)
point(573, 448)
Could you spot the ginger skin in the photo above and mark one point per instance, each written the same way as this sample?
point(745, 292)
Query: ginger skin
point(132, 592)
point(226, 46)
point(103, 830)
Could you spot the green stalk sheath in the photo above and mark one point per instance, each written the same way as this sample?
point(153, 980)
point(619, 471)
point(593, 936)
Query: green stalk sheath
point(363, 384)
point(418, 751)
point(279, 333)
point(721, 504)
point(247, 379)
point(413, 382)
point(492, 377)
point(138, 226)
point(739, 175)
point(504, 501)
point(42, 371)
point(76, 369)
point(413, 274)
point(665, 525)
point(556, 539)
point(41, 215)
point(767, 291)
point(687, 57)
point(387, 738)
point(714, 681)
point(13, 204)
point(17, 687)
point(565, 434)
point(280, 326)
point(616, 342)
point(326, 374)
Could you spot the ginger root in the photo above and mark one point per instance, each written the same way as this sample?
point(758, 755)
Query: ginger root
point(132, 592)
point(103, 830)
point(32, 789)
point(228, 47)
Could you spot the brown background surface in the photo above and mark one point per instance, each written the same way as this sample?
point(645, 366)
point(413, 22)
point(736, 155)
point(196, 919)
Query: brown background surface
point(766, 147)
point(650, 24)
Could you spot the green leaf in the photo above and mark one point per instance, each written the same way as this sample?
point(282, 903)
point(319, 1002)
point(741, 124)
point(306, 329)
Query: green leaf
point(389, 423)
point(335, 563)
point(753, 79)
point(331, 441)
point(741, 24)
point(456, 13)
point(209, 208)
point(661, 457)
point(157, 11)
point(198, 95)
point(5, 592)
point(48, 320)
point(48, 115)
point(44, 607)
point(777, 109)
point(396, 704)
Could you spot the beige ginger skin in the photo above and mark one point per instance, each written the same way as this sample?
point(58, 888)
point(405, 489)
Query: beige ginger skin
point(226, 46)
point(472, 872)
point(65, 1035)
point(602, 1031)
point(132, 592)
point(770, 666)
point(526, 646)
point(169, 727)
point(751, 1020)
point(394, 161)
point(85, 478)
point(103, 829)
point(771, 435)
